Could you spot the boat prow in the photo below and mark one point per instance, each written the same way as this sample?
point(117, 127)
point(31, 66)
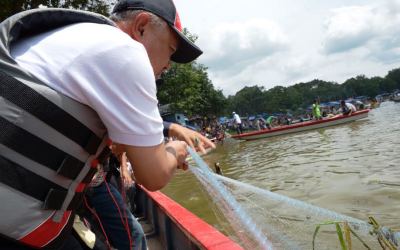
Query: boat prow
point(303, 126)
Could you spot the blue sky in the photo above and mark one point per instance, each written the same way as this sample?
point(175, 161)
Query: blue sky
point(270, 43)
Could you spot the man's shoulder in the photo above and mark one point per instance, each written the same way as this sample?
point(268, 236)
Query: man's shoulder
point(89, 41)
point(94, 32)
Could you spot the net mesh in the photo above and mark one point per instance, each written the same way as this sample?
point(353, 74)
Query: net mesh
point(264, 220)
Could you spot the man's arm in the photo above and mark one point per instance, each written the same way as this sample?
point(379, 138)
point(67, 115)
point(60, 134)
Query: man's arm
point(155, 165)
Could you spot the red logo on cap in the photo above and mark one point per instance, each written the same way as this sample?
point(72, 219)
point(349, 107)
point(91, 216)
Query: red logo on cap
point(177, 22)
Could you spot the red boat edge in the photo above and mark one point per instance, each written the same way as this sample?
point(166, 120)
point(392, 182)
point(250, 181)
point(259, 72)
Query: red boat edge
point(299, 125)
point(177, 228)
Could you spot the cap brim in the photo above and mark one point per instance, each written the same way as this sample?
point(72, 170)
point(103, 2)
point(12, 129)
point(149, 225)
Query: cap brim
point(187, 51)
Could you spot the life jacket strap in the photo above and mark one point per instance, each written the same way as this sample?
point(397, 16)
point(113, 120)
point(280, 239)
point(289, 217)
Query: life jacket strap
point(38, 150)
point(34, 103)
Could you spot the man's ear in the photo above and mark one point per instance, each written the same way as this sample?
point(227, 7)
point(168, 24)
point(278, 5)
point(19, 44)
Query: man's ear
point(140, 25)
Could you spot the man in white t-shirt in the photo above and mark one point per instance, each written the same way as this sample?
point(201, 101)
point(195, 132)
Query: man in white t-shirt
point(347, 108)
point(113, 70)
point(238, 122)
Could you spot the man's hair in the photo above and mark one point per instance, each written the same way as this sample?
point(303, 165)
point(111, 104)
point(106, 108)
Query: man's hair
point(129, 15)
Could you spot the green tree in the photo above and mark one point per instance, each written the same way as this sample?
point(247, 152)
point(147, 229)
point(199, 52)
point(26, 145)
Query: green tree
point(188, 89)
point(247, 101)
point(11, 7)
point(393, 78)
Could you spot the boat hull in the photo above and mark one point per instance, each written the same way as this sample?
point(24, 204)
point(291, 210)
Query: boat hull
point(174, 227)
point(303, 126)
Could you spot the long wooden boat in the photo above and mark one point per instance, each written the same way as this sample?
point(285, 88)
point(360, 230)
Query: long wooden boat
point(302, 126)
point(168, 225)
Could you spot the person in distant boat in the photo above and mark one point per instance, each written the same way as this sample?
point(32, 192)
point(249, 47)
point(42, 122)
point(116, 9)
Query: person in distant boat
point(263, 124)
point(238, 123)
point(374, 103)
point(288, 120)
point(218, 169)
point(316, 109)
point(347, 108)
point(332, 110)
point(257, 124)
point(269, 121)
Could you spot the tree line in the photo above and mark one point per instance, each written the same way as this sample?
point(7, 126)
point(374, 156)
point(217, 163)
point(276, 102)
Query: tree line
point(255, 99)
point(188, 88)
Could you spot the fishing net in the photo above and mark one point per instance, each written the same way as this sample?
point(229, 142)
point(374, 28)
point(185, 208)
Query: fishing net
point(265, 220)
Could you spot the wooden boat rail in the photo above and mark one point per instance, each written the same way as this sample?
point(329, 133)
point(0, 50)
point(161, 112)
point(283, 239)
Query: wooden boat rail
point(174, 227)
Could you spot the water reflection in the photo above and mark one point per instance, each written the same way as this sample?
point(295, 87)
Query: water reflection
point(352, 169)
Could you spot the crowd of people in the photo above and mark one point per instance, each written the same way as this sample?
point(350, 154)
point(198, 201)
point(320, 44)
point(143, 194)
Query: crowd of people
point(238, 124)
point(216, 130)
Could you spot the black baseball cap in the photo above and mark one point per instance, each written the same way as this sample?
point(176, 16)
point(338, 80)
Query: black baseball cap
point(187, 51)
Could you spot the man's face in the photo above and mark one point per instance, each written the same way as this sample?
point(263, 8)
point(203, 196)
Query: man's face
point(161, 43)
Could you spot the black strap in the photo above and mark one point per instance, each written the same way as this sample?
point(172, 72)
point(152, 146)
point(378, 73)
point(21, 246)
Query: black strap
point(88, 178)
point(31, 184)
point(55, 199)
point(70, 167)
point(25, 181)
point(38, 150)
point(40, 107)
point(104, 154)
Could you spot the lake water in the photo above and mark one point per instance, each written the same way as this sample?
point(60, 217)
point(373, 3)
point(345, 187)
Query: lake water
point(353, 169)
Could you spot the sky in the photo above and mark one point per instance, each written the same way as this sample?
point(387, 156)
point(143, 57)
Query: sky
point(284, 42)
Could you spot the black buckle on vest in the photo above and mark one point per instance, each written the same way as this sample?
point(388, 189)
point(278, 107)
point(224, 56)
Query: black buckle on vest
point(104, 154)
point(54, 199)
point(88, 178)
point(76, 201)
point(70, 167)
point(92, 144)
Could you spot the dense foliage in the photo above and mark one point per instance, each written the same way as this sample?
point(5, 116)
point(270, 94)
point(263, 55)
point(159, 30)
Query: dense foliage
point(189, 90)
point(10, 7)
point(254, 99)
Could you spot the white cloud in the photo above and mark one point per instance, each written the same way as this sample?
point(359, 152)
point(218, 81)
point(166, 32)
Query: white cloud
point(349, 27)
point(284, 42)
point(375, 28)
point(230, 47)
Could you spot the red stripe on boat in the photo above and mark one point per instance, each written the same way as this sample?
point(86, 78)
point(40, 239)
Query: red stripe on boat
point(199, 231)
point(297, 125)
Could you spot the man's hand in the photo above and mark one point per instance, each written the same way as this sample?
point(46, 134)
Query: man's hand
point(126, 178)
point(178, 150)
point(194, 139)
point(125, 174)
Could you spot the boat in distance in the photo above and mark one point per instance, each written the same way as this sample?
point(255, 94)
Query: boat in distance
point(302, 126)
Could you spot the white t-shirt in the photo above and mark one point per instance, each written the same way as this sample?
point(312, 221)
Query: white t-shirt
point(351, 107)
point(104, 68)
point(237, 119)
